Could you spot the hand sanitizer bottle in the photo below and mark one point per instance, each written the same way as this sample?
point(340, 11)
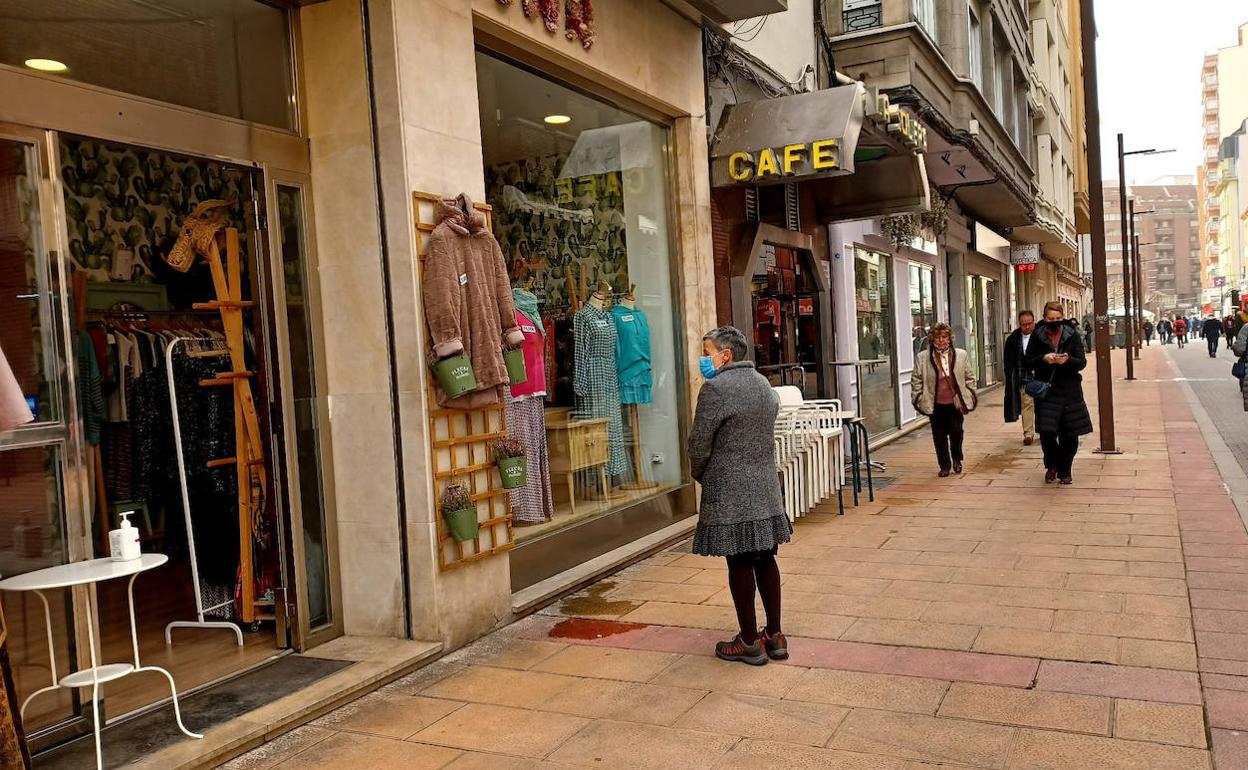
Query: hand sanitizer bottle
point(123, 542)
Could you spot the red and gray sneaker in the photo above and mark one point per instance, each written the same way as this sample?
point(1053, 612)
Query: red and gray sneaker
point(776, 645)
point(738, 650)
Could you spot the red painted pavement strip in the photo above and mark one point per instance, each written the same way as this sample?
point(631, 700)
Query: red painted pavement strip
point(981, 668)
point(1230, 748)
point(1227, 708)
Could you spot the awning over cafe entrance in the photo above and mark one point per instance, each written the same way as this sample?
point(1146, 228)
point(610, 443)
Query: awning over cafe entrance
point(863, 156)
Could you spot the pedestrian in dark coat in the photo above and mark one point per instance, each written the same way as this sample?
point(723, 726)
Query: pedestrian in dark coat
point(1017, 403)
point(1211, 329)
point(1056, 356)
point(741, 516)
point(1148, 332)
point(1164, 330)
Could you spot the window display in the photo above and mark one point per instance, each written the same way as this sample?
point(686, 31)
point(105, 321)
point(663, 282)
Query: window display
point(922, 304)
point(874, 306)
point(579, 209)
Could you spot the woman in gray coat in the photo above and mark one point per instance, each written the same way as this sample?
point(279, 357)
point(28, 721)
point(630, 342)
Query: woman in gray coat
point(732, 454)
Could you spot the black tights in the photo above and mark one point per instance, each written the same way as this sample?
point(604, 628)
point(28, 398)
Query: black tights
point(745, 570)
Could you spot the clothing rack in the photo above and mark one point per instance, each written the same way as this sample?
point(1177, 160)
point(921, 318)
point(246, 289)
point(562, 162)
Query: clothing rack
point(200, 609)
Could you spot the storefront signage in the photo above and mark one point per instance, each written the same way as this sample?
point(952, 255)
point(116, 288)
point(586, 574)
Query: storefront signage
point(1219, 281)
point(1024, 254)
point(899, 122)
point(790, 160)
point(805, 306)
point(767, 311)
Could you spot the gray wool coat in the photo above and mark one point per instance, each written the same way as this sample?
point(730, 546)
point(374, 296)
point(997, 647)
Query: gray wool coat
point(732, 454)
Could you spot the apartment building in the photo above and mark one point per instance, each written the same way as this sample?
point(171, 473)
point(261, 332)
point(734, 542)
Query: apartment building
point(1224, 108)
point(1167, 224)
point(963, 69)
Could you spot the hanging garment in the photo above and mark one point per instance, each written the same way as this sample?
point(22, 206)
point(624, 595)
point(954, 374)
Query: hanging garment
point(13, 408)
point(526, 421)
point(468, 303)
point(534, 348)
point(90, 390)
point(526, 302)
point(632, 355)
point(595, 381)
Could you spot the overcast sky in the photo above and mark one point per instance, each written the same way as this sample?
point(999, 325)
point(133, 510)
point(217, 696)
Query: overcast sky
point(1150, 53)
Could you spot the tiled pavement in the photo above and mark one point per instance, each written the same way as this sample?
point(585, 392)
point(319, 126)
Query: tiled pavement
point(987, 621)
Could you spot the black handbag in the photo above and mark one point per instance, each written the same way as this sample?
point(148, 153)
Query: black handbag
point(1239, 369)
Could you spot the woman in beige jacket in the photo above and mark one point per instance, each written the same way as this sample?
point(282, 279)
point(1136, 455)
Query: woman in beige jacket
point(943, 388)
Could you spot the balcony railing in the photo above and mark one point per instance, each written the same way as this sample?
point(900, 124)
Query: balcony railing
point(863, 16)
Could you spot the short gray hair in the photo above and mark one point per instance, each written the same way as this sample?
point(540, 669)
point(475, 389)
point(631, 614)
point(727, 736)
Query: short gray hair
point(729, 338)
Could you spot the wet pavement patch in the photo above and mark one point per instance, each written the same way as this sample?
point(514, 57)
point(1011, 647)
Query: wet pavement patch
point(594, 602)
point(584, 628)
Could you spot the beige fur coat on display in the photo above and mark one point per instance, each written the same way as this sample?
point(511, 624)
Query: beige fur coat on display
point(467, 296)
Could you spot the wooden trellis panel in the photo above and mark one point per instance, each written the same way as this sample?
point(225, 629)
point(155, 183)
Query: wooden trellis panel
point(459, 442)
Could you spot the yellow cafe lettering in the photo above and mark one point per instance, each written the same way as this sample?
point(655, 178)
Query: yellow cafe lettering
point(789, 160)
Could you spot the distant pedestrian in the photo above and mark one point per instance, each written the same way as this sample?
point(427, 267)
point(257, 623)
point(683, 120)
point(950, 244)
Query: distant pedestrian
point(1228, 328)
point(943, 388)
point(1087, 333)
point(1212, 331)
point(1180, 331)
point(1057, 358)
point(1148, 333)
point(1019, 405)
point(741, 516)
point(1165, 330)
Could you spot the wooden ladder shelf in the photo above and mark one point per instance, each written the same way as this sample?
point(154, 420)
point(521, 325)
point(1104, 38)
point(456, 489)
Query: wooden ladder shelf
point(249, 446)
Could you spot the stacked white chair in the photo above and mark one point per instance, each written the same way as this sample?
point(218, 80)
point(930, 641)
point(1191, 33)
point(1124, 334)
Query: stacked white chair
point(809, 450)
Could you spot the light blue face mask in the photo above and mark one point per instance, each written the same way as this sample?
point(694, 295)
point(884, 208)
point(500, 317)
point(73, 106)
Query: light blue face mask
point(707, 365)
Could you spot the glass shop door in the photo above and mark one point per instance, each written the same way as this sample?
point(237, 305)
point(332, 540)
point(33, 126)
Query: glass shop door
point(44, 474)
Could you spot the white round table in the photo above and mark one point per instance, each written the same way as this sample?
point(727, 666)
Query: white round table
point(82, 573)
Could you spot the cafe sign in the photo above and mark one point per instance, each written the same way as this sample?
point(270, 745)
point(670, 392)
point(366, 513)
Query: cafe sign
point(790, 160)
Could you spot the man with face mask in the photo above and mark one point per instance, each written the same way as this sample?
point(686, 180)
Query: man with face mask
point(1017, 403)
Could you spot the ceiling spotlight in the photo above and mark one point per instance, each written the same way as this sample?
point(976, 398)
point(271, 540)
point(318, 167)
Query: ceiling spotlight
point(46, 65)
point(557, 120)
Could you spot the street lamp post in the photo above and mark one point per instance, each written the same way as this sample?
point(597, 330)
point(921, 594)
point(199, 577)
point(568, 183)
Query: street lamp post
point(1137, 261)
point(1133, 349)
point(1128, 318)
point(1096, 204)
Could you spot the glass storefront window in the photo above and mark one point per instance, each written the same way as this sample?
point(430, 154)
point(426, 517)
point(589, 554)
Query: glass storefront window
point(24, 320)
point(308, 429)
point(786, 330)
point(229, 57)
point(578, 189)
point(922, 304)
point(877, 372)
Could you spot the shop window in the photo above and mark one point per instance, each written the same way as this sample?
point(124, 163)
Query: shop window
point(877, 375)
point(922, 304)
point(579, 197)
point(228, 57)
point(786, 326)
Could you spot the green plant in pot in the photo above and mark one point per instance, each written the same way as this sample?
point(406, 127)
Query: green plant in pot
point(459, 512)
point(513, 466)
point(455, 375)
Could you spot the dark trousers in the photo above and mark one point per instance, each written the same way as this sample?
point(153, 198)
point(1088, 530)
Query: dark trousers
point(1213, 339)
point(947, 434)
point(1182, 340)
point(750, 572)
point(1059, 452)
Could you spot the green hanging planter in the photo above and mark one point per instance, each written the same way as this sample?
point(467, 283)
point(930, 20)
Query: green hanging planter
point(455, 375)
point(516, 372)
point(462, 524)
point(514, 471)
